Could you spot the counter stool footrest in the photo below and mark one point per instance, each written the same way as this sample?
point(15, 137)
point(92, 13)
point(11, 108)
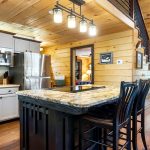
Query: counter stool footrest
point(89, 130)
point(107, 145)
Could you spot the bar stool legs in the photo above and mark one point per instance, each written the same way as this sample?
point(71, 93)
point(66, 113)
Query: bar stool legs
point(134, 131)
point(115, 138)
point(105, 137)
point(129, 135)
point(143, 129)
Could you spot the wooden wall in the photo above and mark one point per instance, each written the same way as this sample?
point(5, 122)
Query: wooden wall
point(122, 46)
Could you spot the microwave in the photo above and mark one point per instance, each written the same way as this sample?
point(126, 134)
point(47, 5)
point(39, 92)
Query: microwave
point(6, 59)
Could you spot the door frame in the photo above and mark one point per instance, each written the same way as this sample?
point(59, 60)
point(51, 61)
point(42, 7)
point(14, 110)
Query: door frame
point(71, 61)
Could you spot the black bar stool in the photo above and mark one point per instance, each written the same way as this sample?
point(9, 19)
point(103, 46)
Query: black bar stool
point(120, 119)
point(139, 110)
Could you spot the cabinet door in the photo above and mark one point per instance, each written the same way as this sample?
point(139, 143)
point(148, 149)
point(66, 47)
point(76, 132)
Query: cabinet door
point(6, 40)
point(35, 47)
point(21, 45)
point(9, 107)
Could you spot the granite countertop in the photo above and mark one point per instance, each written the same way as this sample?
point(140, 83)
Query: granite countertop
point(9, 85)
point(83, 99)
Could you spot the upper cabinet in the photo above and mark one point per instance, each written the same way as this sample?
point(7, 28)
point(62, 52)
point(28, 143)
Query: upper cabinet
point(25, 45)
point(34, 46)
point(21, 45)
point(6, 40)
point(17, 44)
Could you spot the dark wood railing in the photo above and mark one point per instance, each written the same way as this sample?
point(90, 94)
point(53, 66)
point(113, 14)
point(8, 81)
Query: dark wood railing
point(125, 6)
point(139, 21)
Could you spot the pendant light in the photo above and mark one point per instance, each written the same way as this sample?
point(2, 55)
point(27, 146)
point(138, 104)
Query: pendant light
point(83, 25)
point(92, 29)
point(71, 21)
point(58, 15)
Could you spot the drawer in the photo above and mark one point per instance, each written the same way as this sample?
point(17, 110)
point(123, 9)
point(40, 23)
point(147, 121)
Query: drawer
point(4, 91)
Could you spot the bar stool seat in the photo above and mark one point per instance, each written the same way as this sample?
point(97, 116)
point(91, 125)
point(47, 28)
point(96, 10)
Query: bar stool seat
point(108, 123)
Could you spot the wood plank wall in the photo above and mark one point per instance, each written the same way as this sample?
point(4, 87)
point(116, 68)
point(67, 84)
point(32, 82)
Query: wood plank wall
point(122, 46)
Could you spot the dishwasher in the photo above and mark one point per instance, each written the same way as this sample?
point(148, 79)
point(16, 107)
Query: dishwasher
point(8, 104)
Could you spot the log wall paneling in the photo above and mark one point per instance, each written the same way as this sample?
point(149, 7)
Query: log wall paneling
point(122, 46)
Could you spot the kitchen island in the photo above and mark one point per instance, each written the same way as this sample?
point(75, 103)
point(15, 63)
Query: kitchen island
point(49, 119)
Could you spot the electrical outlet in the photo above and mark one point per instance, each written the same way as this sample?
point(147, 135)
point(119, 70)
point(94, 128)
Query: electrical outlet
point(119, 61)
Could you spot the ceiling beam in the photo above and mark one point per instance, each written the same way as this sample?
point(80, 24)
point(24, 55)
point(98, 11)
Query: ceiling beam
point(116, 12)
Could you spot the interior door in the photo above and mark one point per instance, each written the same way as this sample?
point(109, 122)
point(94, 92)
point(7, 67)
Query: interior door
point(9, 107)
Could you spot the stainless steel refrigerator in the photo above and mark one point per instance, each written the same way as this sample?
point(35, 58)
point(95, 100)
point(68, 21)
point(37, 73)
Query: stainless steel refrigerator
point(31, 71)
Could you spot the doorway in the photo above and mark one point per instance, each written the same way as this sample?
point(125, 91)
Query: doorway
point(82, 65)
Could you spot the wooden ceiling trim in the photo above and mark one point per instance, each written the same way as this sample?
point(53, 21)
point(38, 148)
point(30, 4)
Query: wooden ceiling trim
point(117, 13)
point(145, 5)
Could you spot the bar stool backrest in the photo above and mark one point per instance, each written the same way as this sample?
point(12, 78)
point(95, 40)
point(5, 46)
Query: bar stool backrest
point(128, 92)
point(144, 86)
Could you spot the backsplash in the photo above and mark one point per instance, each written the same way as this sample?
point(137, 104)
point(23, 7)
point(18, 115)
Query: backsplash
point(2, 71)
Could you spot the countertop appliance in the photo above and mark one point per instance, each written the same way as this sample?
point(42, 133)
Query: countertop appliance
point(31, 71)
point(6, 58)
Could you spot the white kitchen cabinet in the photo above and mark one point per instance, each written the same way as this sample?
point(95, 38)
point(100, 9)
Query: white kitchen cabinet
point(9, 107)
point(34, 46)
point(6, 40)
point(21, 45)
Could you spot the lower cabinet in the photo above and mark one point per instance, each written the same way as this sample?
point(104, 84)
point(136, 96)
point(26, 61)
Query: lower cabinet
point(8, 107)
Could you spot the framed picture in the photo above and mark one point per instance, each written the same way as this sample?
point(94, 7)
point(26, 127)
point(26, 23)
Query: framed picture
point(139, 60)
point(106, 58)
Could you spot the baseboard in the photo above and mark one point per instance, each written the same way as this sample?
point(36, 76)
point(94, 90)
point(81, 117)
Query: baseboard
point(8, 121)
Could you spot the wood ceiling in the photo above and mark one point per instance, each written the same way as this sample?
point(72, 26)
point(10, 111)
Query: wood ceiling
point(31, 18)
point(145, 8)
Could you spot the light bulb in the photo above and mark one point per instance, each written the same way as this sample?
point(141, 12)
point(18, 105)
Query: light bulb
point(83, 26)
point(92, 30)
point(58, 15)
point(71, 21)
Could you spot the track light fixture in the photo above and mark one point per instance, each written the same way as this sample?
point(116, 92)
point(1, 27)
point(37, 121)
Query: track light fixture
point(72, 17)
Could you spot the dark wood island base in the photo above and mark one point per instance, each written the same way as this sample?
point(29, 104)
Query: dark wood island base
point(46, 124)
point(43, 128)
